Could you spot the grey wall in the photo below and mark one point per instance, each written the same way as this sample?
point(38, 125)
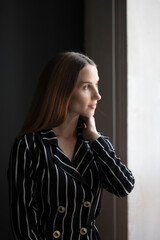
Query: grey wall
point(31, 33)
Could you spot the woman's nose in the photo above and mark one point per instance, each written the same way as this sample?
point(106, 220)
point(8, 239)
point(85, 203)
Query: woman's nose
point(97, 96)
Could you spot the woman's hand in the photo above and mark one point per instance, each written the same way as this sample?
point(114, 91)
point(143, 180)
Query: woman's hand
point(89, 129)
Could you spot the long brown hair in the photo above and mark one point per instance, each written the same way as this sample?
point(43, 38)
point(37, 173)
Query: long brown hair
point(50, 102)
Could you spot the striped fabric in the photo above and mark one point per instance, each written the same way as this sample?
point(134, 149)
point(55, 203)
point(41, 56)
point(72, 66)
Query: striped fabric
point(54, 198)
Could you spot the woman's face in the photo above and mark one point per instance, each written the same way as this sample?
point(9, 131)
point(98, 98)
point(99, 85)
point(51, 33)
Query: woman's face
point(85, 94)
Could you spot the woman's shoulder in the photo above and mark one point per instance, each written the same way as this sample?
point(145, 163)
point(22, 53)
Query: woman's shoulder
point(24, 141)
point(26, 137)
point(36, 138)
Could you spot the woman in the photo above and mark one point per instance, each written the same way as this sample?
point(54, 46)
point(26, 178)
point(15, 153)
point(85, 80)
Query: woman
point(60, 163)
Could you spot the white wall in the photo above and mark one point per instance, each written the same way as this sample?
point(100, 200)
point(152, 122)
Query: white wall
point(143, 20)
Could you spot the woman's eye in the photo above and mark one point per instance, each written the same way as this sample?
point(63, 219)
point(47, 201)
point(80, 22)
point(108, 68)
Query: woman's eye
point(85, 87)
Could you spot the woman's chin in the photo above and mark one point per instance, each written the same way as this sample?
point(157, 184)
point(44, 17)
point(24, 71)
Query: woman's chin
point(89, 115)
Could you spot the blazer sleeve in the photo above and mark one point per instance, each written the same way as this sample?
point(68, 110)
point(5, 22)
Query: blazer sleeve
point(116, 177)
point(21, 185)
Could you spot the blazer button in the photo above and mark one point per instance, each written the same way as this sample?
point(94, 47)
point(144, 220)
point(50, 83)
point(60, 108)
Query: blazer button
point(83, 231)
point(87, 204)
point(56, 234)
point(61, 209)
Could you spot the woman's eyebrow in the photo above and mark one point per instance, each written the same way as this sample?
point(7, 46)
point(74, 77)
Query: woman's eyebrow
point(84, 82)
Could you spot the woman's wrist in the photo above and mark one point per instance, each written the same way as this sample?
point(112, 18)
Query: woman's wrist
point(93, 136)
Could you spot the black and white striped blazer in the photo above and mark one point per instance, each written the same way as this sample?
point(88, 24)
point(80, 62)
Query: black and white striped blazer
point(54, 198)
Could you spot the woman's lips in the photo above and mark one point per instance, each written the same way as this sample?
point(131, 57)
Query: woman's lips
point(93, 106)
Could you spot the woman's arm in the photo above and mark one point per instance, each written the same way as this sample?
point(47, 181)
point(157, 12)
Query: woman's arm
point(117, 178)
point(21, 185)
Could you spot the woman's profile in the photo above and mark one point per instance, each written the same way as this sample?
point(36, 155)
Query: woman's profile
point(60, 163)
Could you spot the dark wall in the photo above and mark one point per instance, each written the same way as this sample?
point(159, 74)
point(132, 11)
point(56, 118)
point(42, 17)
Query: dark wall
point(31, 33)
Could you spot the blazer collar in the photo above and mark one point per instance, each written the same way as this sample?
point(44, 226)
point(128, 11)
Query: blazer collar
point(72, 168)
point(48, 136)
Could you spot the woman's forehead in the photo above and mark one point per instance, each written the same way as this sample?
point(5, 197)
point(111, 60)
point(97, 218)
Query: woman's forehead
point(88, 74)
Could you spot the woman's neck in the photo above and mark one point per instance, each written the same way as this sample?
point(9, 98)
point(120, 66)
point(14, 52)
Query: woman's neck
point(68, 128)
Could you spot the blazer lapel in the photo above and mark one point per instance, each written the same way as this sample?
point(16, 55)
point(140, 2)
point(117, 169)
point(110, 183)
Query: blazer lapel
point(83, 157)
point(64, 163)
